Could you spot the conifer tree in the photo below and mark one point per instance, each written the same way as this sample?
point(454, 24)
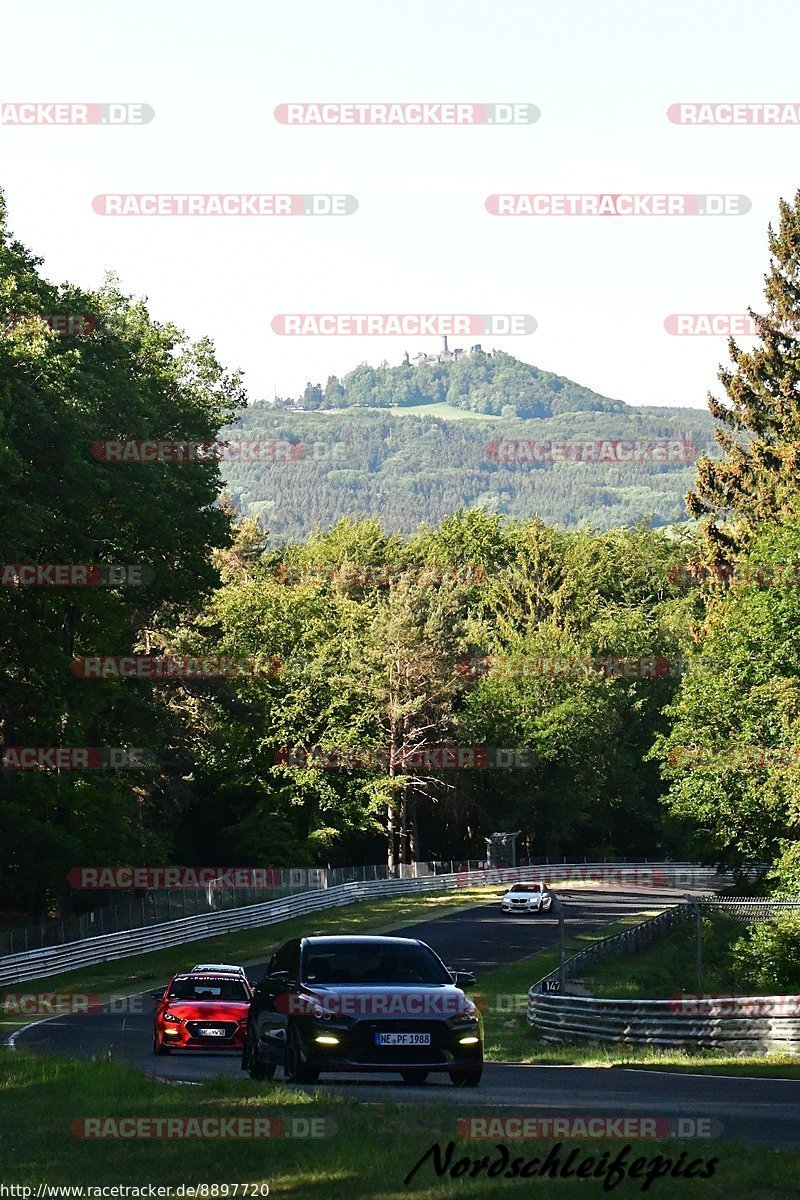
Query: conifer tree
point(758, 479)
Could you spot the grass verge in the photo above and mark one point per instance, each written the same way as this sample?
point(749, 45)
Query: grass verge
point(509, 1038)
point(366, 1150)
point(667, 967)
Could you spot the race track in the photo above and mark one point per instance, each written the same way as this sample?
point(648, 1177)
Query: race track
point(762, 1111)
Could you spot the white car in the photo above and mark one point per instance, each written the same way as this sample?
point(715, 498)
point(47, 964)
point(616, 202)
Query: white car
point(526, 898)
point(220, 969)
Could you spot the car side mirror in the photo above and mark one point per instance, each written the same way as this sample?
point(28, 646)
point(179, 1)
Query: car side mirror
point(463, 979)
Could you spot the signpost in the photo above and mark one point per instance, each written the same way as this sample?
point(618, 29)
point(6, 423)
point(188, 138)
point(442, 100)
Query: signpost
point(498, 846)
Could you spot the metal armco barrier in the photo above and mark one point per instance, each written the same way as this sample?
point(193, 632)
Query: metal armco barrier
point(739, 1023)
point(133, 907)
point(53, 960)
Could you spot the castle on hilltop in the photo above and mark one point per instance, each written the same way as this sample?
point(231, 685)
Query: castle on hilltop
point(445, 355)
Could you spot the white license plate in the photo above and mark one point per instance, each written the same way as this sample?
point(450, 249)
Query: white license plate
point(402, 1039)
point(211, 1032)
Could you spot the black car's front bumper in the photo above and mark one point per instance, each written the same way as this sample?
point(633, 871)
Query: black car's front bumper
point(356, 1048)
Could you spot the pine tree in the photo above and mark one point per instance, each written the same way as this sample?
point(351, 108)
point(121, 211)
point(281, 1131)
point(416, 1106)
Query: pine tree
point(758, 478)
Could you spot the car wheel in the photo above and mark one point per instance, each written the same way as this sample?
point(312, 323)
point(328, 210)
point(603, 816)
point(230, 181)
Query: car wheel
point(295, 1070)
point(159, 1047)
point(469, 1078)
point(251, 1063)
point(414, 1076)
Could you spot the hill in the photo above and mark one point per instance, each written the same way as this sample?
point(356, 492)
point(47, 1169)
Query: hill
point(406, 469)
point(495, 384)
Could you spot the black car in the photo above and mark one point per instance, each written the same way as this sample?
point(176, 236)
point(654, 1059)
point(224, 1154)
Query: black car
point(363, 1004)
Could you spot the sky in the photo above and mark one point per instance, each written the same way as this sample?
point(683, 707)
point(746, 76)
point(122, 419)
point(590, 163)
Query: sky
point(421, 240)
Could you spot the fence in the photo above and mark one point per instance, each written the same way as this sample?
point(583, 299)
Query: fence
point(159, 905)
point(740, 1023)
point(52, 960)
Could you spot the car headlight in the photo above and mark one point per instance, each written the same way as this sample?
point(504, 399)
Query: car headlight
point(468, 1016)
point(329, 1023)
point(169, 1017)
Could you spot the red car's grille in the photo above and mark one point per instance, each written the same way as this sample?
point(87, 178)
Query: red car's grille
point(194, 1028)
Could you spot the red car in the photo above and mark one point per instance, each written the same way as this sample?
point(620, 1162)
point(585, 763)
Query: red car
point(201, 1011)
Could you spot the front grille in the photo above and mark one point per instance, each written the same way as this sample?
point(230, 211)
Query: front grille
point(194, 1028)
point(366, 1051)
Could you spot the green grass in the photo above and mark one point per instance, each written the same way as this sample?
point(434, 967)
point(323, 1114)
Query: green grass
point(668, 966)
point(509, 1038)
point(442, 409)
point(126, 976)
point(366, 1150)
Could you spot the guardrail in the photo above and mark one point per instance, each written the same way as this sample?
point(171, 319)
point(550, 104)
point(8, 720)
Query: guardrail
point(740, 1023)
point(53, 960)
point(157, 905)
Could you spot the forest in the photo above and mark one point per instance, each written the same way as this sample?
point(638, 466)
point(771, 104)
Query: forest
point(627, 689)
point(405, 468)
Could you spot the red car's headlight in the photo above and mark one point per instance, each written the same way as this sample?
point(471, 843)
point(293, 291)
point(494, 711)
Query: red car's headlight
point(169, 1017)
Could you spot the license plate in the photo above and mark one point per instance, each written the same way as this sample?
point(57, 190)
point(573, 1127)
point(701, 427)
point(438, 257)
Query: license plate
point(210, 1031)
point(402, 1039)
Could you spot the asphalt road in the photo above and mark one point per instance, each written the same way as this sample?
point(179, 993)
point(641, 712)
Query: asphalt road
point(481, 939)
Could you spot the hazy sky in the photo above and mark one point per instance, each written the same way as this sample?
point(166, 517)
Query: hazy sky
point(603, 76)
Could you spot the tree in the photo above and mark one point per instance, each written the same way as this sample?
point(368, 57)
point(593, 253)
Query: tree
point(312, 396)
point(59, 396)
point(334, 392)
point(408, 666)
point(731, 754)
point(757, 480)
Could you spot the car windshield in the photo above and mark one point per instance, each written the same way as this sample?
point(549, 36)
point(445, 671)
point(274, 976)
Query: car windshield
point(370, 963)
point(208, 989)
point(526, 887)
